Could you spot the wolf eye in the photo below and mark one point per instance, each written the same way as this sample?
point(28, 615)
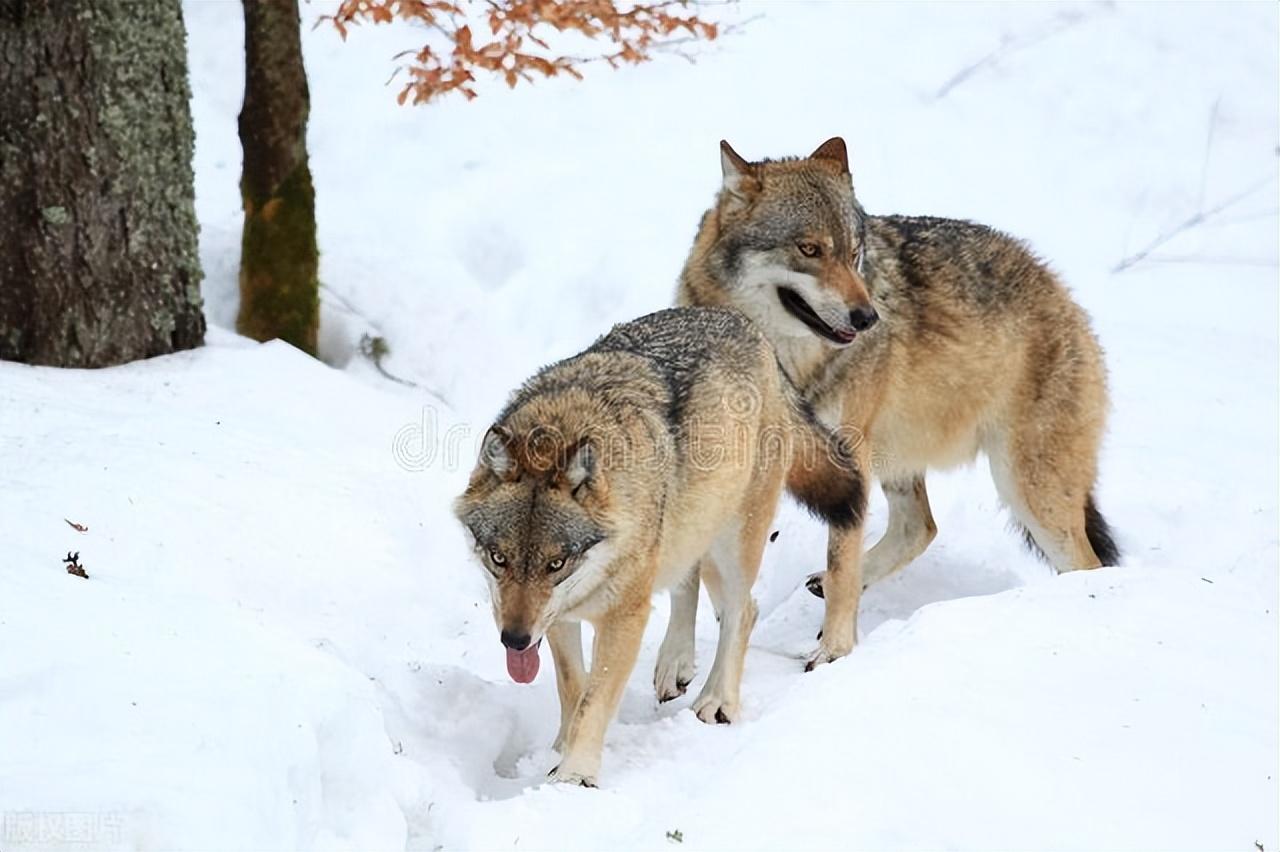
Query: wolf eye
point(498, 558)
point(555, 564)
point(809, 249)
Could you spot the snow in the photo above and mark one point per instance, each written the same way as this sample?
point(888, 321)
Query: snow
point(282, 644)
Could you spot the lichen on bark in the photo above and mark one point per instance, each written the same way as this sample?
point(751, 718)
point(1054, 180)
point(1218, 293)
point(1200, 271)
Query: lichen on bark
point(98, 255)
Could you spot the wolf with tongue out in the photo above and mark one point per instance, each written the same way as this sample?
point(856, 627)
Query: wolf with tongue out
point(657, 454)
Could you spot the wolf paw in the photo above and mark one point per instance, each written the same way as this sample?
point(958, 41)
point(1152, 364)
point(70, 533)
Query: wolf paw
point(818, 658)
point(716, 710)
point(672, 675)
point(827, 652)
point(560, 775)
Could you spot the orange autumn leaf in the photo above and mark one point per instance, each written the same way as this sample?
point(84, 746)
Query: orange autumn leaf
point(520, 49)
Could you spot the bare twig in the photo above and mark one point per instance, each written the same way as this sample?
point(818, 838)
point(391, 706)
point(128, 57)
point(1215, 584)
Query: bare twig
point(674, 46)
point(343, 302)
point(375, 349)
point(1199, 218)
point(374, 346)
point(1208, 149)
point(1013, 44)
point(1211, 260)
point(1245, 218)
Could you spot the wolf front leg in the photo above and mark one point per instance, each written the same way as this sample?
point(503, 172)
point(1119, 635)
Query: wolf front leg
point(565, 638)
point(842, 584)
point(842, 590)
point(613, 656)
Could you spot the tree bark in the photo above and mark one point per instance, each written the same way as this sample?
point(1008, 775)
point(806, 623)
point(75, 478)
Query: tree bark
point(98, 256)
point(279, 288)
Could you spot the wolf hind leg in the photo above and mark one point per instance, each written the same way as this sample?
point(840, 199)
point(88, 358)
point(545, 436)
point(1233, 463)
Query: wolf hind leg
point(911, 528)
point(1053, 504)
point(675, 668)
point(730, 569)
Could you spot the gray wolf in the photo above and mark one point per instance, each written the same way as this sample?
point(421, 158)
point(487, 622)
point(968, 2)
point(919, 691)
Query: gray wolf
point(656, 455)
point(920, 340)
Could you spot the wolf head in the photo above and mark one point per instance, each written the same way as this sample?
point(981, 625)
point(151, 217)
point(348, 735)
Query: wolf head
point(535, 509)
point(789, 245)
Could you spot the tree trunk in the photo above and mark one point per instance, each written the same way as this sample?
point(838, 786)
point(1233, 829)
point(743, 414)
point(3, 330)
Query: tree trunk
point(279, 290)
point(98, 255)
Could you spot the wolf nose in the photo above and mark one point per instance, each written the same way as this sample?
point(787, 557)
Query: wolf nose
point(862, 318)
point(515, 641)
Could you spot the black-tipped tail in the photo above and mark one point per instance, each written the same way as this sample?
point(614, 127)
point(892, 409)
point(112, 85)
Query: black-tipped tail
point(824, 475)
point(1096, 529)
point(1099, 532)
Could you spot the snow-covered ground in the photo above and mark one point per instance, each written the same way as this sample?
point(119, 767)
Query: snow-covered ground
point(281, 643)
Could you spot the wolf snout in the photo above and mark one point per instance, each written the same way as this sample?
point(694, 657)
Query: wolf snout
point(516, 640)
point(863, 317)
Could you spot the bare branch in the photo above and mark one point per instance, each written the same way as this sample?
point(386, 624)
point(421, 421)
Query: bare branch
point(1013, 44)
point(374, 346)
point(375, 349)
point(1211, 260)
point(1199, 218)
point(1245, 218)
point(1208, 149)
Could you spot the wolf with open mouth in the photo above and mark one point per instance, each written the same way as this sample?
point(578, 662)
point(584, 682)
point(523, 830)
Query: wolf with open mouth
point(924, 341)
point(656, 456)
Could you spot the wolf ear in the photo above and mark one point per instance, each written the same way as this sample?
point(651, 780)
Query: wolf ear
point(495, 452)
point(835, 151)
point(581, 466)
point(732, 164)
point(739, 175)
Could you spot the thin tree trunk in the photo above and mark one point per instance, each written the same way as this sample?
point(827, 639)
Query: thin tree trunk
point(98, 255)
point(279, 290)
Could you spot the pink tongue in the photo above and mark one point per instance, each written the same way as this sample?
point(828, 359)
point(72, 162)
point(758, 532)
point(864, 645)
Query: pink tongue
point(523, 665)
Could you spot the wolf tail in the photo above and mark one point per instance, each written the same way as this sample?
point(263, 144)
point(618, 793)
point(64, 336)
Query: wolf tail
point(1099, 534)
point(823, 474)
